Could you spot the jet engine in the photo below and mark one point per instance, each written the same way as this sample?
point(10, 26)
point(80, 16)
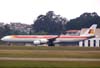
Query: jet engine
point(41, 41)
point(36, 42)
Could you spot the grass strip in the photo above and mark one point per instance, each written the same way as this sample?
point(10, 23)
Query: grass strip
point(48, 64)
point(74, 48)
point(49, 54)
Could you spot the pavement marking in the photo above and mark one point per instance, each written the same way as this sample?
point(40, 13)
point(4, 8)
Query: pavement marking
point(50, 59)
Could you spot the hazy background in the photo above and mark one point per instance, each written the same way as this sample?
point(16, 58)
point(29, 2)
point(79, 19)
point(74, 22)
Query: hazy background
point(26, 11)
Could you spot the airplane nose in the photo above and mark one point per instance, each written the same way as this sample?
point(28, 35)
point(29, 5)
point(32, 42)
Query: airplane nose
point(2, 39)
point(5, 38)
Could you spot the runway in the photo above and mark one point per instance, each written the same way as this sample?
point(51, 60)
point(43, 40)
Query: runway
point(50, 59)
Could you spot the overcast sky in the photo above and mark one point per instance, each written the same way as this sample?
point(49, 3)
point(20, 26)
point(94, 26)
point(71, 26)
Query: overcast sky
point(25, 11)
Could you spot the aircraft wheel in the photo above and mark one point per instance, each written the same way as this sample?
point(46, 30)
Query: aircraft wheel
point(51, 44)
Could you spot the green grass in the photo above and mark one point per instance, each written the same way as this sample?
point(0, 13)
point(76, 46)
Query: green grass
point(74, 48)
point(51, 52)
point(48, 64)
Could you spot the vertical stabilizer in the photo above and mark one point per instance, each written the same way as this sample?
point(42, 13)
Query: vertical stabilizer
point(90, 31)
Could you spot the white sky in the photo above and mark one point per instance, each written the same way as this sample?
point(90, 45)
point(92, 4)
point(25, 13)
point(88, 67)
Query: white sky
point(25, 11)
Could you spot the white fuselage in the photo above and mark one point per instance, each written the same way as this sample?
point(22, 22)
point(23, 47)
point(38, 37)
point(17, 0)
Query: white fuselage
point(42, 38)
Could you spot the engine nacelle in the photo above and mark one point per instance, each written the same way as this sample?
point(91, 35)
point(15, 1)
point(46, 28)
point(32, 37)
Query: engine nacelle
point(40, 41)
point(37, 42)
point(43, 40)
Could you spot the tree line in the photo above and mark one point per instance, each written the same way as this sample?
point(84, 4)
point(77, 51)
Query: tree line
point(55, 24)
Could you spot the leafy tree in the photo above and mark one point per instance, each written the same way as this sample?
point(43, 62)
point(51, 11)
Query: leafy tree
point(7, 30)
point(84, 21)
point(2, 32)
point(49, 23)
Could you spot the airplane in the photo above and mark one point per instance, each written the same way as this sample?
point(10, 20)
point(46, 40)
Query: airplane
point(51, 40)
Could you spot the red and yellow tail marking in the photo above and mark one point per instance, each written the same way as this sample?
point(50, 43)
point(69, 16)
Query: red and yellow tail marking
point(91, 31)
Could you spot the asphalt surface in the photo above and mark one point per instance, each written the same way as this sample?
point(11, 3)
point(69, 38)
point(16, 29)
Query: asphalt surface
point(50, 59)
